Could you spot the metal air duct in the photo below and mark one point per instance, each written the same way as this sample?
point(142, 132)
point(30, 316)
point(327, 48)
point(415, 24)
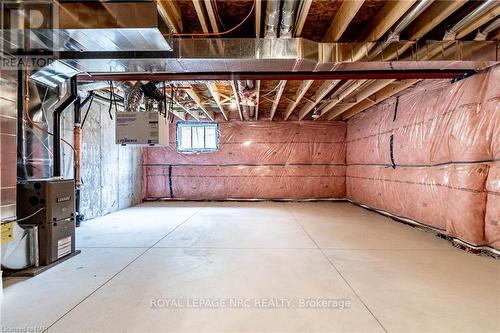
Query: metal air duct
point(402, 24)
point(272, 18)
point(483, 34)
point(473, 15)
point(288, 18)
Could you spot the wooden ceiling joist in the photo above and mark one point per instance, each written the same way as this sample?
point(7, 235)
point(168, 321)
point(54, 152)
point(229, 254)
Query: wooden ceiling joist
point(197, 99)
point(277, 98)
point(301, 18)
point(189, 111)
point(171, 14)
point(378, 97)
point(211, 16)
point(258, 17)
point(432, 17)
point(257, 89)
point(305, 5)
point(383, 21)
point(217, 98)
point(424, 23)
point(351, 87)
point(344, 16)
point(301, 91)
point(339, 24)
point(200, 12)
point(325, 88)
point(479, 22)
point(366, 93)
point(237, 99)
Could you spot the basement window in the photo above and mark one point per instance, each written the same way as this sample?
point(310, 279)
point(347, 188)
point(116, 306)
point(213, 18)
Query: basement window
point(197, 137)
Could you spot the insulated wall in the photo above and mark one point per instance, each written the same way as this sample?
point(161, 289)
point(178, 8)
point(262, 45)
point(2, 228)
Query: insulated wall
point(256, 160)
point(433, 155)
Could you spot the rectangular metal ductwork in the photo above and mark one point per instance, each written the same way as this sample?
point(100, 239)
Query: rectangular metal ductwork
point(92, 26)
point(292, 55)
point(80, 27)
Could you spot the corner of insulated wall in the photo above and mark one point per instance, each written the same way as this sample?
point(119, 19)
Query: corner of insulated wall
point(433, 155)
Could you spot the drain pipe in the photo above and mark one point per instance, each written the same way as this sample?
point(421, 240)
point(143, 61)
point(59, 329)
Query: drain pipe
point(483, 34)
point(272, 18)
point(70, 99)
point(288, 18)
point(402, 24)
point(451, 34)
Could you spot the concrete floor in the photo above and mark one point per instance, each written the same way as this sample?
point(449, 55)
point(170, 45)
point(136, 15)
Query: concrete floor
point(375, 274)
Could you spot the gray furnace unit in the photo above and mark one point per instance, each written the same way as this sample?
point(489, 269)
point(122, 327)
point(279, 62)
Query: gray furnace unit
point(51, 205)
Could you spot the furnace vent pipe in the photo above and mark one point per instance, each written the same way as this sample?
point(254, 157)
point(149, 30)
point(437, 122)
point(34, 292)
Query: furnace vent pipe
point(288, 18)
point(402, 24)
point(451, 34)
point(70, 99)
point(272, 18)
point(483, 34)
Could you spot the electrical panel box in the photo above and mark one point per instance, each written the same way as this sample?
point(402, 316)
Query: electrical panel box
point(141, 128)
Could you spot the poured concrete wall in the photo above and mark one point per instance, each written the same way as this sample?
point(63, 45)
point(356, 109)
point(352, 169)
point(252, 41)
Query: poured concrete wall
point(111, 174)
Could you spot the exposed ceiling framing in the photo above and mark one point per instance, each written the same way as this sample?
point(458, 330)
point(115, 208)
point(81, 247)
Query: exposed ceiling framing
point(327, 21)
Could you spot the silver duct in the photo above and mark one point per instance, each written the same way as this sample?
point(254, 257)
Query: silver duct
point(483, 34)
point(288, 18)
point(402, 24)
point(272, 18)
point(248, 98)
point(476, 13)
point(37, 145)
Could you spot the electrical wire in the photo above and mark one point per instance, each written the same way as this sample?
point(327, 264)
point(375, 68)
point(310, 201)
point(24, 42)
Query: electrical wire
point(216, 9)
point(271, 91)
point(111, 99)
point(27, 217)
point(88, 109)
point(218, 33)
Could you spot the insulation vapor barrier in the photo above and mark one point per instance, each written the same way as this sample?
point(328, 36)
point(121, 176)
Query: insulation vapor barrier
point(259, 160)
point(433, 155)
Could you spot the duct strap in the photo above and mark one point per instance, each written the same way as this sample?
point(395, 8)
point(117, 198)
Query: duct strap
point(391, 147)
point(170, 181)
point(396, 109)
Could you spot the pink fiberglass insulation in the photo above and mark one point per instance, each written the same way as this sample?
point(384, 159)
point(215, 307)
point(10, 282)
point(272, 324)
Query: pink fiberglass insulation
point(256, 160)
point(433, 155)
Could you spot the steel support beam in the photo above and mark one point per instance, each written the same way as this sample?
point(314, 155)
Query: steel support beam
point(227, 76)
